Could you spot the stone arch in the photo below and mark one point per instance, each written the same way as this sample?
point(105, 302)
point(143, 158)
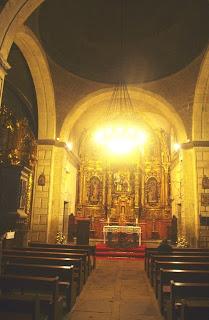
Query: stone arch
point(160, 104)
point(200, 122)
point(12, 16)
point(37, 62)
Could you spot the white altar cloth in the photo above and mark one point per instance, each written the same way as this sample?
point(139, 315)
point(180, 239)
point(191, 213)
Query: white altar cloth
point(124, 229)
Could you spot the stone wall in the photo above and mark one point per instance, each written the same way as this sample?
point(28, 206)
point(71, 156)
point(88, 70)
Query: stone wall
point(176, 189)
point(60, 186)
point(190, 216)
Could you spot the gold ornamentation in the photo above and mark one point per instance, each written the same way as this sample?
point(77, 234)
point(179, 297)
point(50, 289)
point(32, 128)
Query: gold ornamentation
point(17, 142)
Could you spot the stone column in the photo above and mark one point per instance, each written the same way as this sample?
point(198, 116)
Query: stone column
point(58, 169)
point(136, 191)
point(109, 192)
point(202, 206)
point(189, 209)
point(42, 193)
point(166, 194)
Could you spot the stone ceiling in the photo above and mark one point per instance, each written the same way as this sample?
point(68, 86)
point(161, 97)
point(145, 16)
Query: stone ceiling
point(140, 41)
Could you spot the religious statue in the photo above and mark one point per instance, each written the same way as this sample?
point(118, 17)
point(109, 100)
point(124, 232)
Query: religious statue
point(152, 192)
point(94, 191)
point(120, 183)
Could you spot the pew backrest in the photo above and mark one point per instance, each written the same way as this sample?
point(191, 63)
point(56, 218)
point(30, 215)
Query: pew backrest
point(42, 253)
point(77, 263)
point(65, 273)
point(59, 249)
point(35, 285)
point(14, 307)
point(166, 275)
point(180, 290)
point(176, 265)
point(91, 248)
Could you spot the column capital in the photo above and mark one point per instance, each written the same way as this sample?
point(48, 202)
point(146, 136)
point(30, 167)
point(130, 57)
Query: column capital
point(62, 145)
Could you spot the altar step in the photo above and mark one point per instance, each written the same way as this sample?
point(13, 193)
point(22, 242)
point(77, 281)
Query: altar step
point(104, 251)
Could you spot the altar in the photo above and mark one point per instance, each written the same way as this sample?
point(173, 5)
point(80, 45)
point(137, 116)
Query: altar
point(120, 232)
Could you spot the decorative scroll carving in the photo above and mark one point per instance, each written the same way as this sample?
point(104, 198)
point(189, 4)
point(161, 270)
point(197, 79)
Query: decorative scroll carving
point(17, 142)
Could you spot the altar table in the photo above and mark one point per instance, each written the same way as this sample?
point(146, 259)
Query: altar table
point(122, 229)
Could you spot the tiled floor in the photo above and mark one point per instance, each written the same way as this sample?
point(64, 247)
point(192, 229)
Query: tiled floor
point(116, 290)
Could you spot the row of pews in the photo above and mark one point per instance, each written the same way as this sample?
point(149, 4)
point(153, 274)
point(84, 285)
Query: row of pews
point(42, 281)
point(180, 280)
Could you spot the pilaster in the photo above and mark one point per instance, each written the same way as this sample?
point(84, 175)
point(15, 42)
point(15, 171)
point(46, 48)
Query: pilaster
point(58, 186)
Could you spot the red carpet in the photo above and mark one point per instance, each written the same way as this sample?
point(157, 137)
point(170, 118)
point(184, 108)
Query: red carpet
point(103, 250)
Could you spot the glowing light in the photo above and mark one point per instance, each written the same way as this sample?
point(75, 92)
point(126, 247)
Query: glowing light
point(176, 147)
point(69, 146)
point(120, 139)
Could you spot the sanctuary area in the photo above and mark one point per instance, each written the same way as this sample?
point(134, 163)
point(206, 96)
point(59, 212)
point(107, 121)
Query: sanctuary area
point(116, 134)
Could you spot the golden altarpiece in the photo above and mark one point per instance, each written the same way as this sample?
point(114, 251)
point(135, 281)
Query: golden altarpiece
point(17, 160)
point(123, 190)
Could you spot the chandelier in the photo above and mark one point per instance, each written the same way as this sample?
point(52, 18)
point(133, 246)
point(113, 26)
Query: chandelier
point(120, 133)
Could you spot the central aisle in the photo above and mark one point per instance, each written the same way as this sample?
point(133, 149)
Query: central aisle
point(117, 290)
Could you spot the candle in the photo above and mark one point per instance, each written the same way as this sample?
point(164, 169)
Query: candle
point(108, 220)
point(136, 220)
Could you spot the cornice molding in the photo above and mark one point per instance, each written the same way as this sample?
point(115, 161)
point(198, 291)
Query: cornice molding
point(50, 142)
point(195, 144)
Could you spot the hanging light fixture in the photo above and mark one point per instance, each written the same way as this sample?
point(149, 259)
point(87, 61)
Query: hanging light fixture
point(120, 133)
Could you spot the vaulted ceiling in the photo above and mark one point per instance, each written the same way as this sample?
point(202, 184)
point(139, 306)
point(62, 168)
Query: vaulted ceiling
point(140, 41)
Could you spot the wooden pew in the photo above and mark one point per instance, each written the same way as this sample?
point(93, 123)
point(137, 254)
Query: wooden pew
point(42, 253)
point(189, 291)
point(91, 248)
point(193, 310)
point(177, 258)
point(77, 263)
point(177, 251)
point(166, 275)
point(67, 281)
point(47, 289)
point(20, 308)
point(49, 249)
point(177, 265)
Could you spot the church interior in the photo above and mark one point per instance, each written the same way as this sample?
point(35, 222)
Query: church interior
point(104, 144)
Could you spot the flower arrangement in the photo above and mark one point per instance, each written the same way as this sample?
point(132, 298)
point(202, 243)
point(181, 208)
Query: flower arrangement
point(60, 238)
point(182, 242)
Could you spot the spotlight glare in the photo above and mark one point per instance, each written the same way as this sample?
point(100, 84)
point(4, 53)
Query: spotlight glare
point(121, 139)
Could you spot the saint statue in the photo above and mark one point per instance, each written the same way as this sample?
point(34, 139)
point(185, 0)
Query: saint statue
point(152, 194)
point(94, 192)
